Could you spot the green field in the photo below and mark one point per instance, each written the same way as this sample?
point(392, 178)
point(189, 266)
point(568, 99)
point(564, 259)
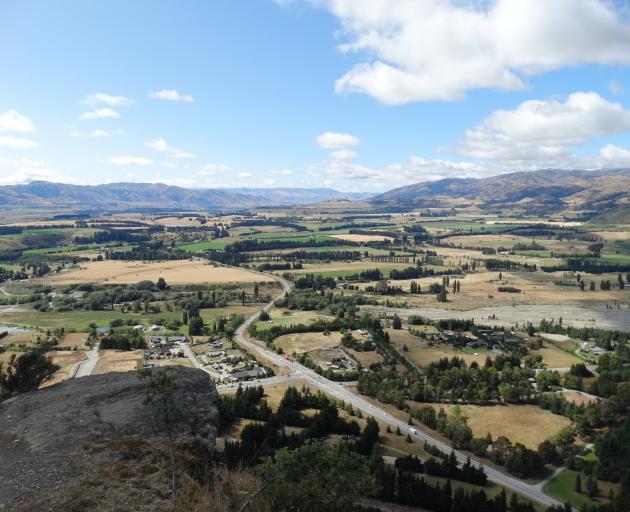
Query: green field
point(562, 487)
point(204, 246)
point(475, 227)
point(536, 254)
point(615, 258)
point(80, 320)
point(61, 250)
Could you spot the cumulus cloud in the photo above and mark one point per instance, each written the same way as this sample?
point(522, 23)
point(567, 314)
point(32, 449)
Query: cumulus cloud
point(343, 154)
point(416, 169)
point(99, 98)
point(13, 121)
point(335, 140)
point(440, 49)
point(171, 95)
point(130, 160)
point(160, 145)
point(100, 113)
point(545, 129)
point(23, 171)
point(7, 141)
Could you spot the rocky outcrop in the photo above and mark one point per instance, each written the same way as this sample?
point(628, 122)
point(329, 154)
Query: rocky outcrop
point(43, 433)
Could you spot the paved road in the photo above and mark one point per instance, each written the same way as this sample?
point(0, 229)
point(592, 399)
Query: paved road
point(532, 492)
point(86, 367)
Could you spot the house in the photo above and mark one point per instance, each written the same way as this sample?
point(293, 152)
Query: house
point(448, 335)
point(177, 339)
point(597, 351)
point(249, 374)
point(155, 327)
point(77, 295)
point(138, 327)
point(216, 353)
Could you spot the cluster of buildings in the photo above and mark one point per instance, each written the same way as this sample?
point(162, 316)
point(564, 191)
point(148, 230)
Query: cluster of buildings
point(229, 367)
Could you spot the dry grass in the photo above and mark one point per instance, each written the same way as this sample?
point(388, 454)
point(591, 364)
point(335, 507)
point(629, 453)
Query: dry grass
point(526, 424)
point(21, 338)
point(307, 341)
point(578, 398)
point(365, 358)
point(422, 353)
point(118, 361)
point(554, 357)
point(175, 272)
point(74, 339)
point(65, 359)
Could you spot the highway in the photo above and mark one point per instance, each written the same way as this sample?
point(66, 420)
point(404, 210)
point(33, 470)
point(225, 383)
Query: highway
point(334, 389)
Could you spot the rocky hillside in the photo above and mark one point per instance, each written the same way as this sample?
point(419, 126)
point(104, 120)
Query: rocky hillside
point(536, 191)
point(51, 438)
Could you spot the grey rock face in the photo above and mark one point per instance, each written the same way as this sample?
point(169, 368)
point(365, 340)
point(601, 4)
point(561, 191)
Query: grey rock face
point(42, 432)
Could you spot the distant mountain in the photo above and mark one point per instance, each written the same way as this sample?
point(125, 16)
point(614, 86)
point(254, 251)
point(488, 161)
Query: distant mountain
point(123, 196)
point(543, 191)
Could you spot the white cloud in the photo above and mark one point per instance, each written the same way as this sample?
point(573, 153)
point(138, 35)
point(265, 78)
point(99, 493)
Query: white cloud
point(16, 142)
point(23, 171)
point(13, 121)
point(334, 140)
point(439, 49)
point(283, 172)
point(100, 98)
point(343, 154)
point(244, 175)
point(168, 165)
point(130, 160)
point(160, 145)
point(100, 113)
point(171, 95)
point(545, 129)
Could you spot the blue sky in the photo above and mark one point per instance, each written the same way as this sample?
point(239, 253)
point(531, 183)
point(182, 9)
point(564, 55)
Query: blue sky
point(353, 94)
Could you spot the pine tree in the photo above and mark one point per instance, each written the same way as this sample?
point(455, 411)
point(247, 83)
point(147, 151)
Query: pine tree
point(578, 484)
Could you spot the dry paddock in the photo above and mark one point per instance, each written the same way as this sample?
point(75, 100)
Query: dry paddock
point(174, 272)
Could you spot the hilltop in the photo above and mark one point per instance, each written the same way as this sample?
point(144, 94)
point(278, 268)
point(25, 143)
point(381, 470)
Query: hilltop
point(541, 191)
point(138, 196)
point(53, 436)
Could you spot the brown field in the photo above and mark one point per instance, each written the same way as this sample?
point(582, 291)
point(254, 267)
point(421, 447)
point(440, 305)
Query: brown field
point(555, 357)
point(613, 235)
point(578, 398)
point(421, 353)
point(526, 424)
point(365, 358)
point(174, 272)
point(65, 359)
point(74, 339)
point(307, 341)
point(480, 290)
point(21, 338)
point(118, 361)
point(362, 238)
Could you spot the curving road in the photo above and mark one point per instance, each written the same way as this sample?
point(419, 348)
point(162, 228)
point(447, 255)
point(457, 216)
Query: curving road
point(530, 491)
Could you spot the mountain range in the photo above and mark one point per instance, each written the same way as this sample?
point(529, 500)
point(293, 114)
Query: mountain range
point(122, 196)
point(545, 191)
